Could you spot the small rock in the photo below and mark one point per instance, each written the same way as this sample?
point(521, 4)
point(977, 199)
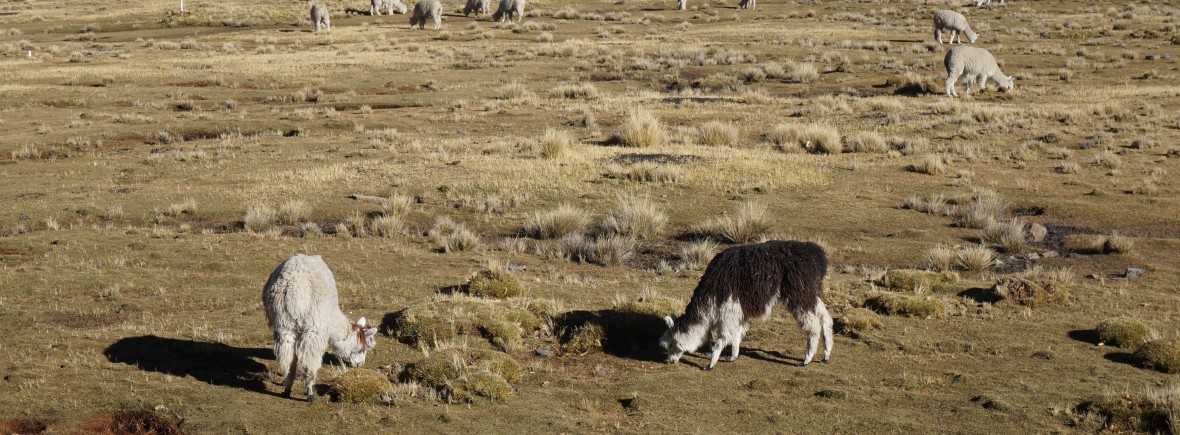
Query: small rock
point(544, 352)
point(1037, 232)
point(1050, 254)
point(515, 267)
point(1092, 276)
point(1153, 57)
point(1033, 256)
point(1132, 273)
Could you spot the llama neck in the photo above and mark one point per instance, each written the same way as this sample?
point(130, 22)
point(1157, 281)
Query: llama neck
point(340, 332)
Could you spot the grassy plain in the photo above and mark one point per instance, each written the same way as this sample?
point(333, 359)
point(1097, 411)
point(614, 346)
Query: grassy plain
point(156, 167)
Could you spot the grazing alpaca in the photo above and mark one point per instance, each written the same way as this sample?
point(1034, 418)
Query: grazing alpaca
point(319, 17)
point(303, 309)
point(743, 283)
point(427, 9)
point(507, 9)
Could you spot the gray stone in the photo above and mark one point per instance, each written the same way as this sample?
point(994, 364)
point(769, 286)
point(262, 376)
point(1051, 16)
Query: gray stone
point(544, 352)
point(1132, 273)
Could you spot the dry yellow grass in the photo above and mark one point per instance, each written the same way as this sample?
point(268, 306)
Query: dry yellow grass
point(117, 116)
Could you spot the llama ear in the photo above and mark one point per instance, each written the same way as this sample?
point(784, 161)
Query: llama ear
point(1011, 78)
point(362, 322)
point(669, 321)
point(370, 332)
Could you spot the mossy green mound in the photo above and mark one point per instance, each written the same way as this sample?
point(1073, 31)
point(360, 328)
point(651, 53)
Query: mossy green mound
point(1030, 293)
point(468, 375)
point(359, 385)
point(1162, 355)
point(857, 321)
point(494, 283)
point(504, 323)
point(906, 280)
point(900, 304)
point(1122, 332)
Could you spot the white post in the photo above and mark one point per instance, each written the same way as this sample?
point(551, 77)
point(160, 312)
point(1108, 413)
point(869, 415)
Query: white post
point(182, 5)
point(29, 54)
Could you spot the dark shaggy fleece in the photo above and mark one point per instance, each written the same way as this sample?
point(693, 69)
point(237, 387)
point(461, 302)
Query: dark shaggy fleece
point(755, 274)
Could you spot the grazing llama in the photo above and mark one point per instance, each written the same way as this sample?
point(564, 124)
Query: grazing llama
point(743, 283)
point(303, 309)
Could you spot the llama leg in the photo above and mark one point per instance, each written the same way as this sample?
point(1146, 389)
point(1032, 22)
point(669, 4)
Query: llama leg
point(285, 357)
point(938, 34)
point(735, 346)
point(826, 319)
point(310, 350)
point(950, 84)
point(718, 346)
point(811, 323)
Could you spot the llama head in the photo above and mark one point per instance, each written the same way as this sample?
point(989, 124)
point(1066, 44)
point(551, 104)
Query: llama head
point(1010, 82)
point(676, 343)
point(363, 340)
point(972, 37)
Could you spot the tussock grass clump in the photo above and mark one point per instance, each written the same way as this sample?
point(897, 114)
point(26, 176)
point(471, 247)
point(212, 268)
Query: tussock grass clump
point(1122, 332)
point(294, 212)
point(1117, 244)
point(463, 375)
point(1161, 355)
point(259, 218)
point(1029, 292)
point(941, 258)
point(604, 249)
point(554, 143)
point(918, 281)
point(645, 172)
point(983, 208)
point(494, 282)
point(899, 304)
point(695, 255)
point(635, 217)
point(814, 138)
point(857, 321)
point(1155, 409)
point(453, 236)
point(502, 322)
point(976, 258)
point(717, 133)
point(557, 223)
point(574, 91)
point(867, 142)
point(1008, 236)
point(359, 385)
point(386, 225)
point(750, 224)
point(642, 129)
point(930, 164)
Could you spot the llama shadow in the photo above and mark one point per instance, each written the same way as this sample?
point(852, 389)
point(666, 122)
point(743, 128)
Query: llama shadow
point(625, 334)
point(1121, 358)
point(212, 363)
point(981, 294)
point(773, 356)
point(1088, 336)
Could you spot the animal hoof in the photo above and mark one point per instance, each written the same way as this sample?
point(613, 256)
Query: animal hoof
point(802, 364)
point(311, 399)
point(730, 359)
point(706, 368)
point(826, 361)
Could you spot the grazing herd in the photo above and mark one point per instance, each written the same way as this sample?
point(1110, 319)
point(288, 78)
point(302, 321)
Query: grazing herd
point(977, 64)
point(740, 284)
